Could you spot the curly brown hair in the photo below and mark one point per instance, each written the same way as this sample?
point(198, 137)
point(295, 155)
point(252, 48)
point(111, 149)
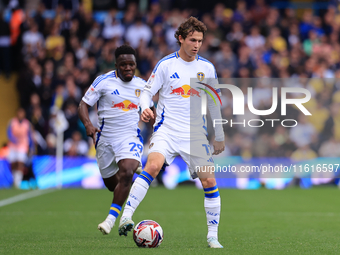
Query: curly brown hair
point(189, 26)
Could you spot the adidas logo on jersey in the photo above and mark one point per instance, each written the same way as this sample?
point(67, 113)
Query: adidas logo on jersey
point(115, 92)
point(174, 76)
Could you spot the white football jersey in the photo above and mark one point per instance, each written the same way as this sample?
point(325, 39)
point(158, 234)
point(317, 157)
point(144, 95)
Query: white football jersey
point(118, 105)
point(180, 86)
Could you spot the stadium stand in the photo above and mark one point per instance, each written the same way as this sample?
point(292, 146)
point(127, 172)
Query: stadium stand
point(62, 48)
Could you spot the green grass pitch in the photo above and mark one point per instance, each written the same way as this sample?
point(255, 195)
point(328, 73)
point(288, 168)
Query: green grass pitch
point(291, 221)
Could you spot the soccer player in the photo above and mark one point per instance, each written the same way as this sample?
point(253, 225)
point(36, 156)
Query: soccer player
point(20, 136)
point(119, 145)
point(174, 131)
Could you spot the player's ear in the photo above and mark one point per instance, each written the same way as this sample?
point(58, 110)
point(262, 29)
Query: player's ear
point(180, 39)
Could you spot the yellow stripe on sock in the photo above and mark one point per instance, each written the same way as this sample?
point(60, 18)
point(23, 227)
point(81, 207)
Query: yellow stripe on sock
point(115, 209)
point(145, 177)
point(212, 191)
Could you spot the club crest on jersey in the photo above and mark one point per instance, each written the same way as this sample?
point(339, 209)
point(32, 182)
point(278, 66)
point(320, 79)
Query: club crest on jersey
point(137, 92)
point(150, 146)
point(200, 76)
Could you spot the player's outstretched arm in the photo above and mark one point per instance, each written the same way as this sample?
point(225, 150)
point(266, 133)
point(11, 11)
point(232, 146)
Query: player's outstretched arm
point(83, 112)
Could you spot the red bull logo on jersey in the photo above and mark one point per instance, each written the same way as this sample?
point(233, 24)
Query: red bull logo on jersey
point(126, 105)
point(185, 91)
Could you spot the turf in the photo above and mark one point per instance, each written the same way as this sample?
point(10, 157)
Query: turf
point(291, 221)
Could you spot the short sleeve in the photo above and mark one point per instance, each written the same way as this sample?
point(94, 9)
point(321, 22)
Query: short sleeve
point(156, 80)
point(94, 92)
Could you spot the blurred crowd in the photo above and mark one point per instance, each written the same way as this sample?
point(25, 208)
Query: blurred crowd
point(59, 53)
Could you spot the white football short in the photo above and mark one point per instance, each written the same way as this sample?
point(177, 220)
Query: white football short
point(109, 154)
point(195, 153)
point(16, 156)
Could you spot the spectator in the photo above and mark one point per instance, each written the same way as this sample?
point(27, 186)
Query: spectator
point(137, 33)
point(307, 24)
point(303, 153)
point(225, 58)
point(51, 142)
point(32, 38)
point(255, 41)
point(259, 11)
point(330, 148)
point(55, 43)
point(75, 146)
point(303, 134)
point(71, 115)
point(248, 41)
point(239, 13)
point(4, 151)
point(112, 27)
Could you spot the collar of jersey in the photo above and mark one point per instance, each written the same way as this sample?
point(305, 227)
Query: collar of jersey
point(183, 61)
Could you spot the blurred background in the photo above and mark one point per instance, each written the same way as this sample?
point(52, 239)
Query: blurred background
point(51, 51)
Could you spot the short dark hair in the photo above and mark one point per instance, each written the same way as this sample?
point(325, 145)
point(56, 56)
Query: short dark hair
point(189, 26)
point(124, 49)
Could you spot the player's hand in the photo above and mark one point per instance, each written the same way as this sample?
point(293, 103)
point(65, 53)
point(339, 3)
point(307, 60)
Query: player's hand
point(147, 115)
point(218, 147)
point(91, 131)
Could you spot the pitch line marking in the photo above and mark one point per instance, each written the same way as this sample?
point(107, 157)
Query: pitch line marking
point(27, 195)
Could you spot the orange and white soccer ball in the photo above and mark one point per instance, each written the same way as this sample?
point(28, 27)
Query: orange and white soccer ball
point(148, 234)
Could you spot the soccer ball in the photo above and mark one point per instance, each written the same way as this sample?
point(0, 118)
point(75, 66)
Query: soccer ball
point(148, 234)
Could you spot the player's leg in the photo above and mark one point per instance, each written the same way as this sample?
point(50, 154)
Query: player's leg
point(142, 183)
point(16, 159)
point(18, 173)
point(212, 205)
point(120, 185)
point(106, 226)
point(161, 149)
point(201, 165)
point(127, 167)
point(140, 187)
point(108, 170)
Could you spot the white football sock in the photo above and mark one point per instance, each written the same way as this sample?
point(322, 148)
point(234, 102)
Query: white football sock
point(112, 220)
point(212, 209)
point(137, 194)
point(114, 213)
point(17, 178)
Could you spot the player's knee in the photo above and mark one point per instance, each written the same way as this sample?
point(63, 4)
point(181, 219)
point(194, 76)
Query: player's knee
point(153, 169)
point(208, 182)
point(126, 177)
point(126, 173)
